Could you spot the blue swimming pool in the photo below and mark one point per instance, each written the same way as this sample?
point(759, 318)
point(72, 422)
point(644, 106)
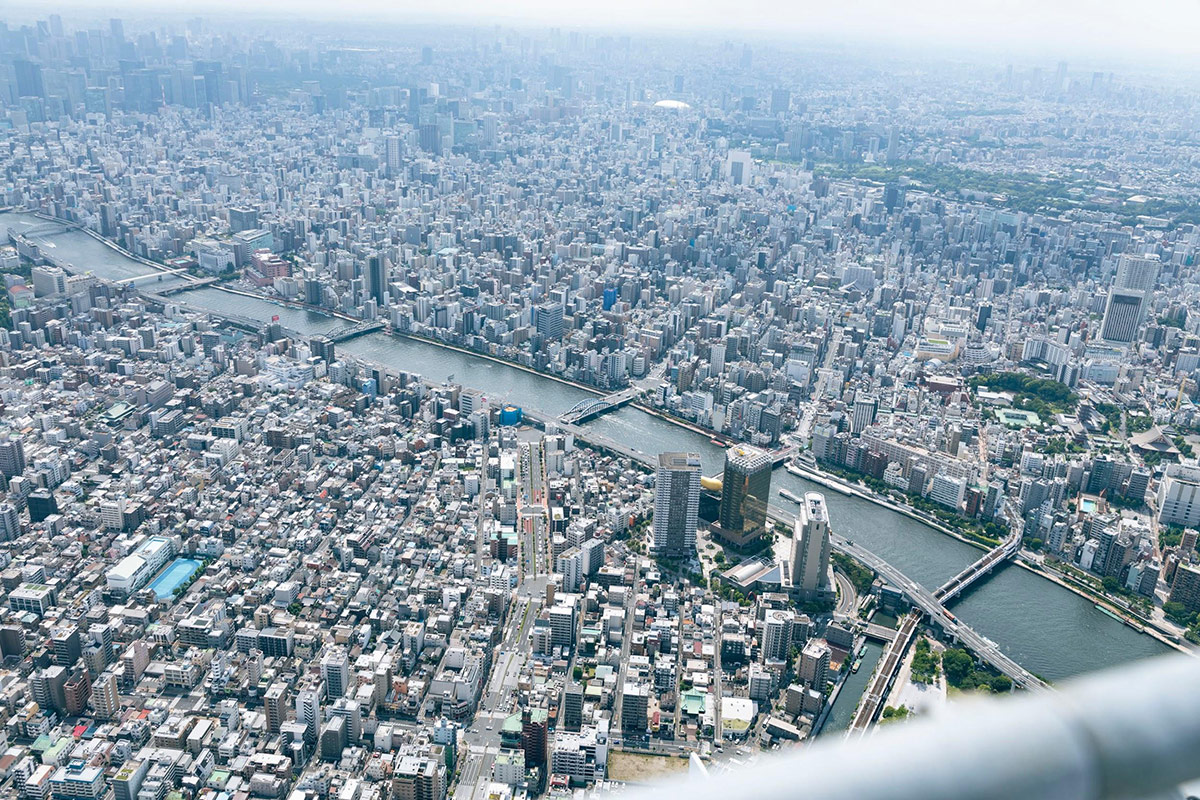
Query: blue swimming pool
point(175, 575)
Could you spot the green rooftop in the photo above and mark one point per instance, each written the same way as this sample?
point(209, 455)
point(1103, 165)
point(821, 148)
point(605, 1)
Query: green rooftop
point(693, 702)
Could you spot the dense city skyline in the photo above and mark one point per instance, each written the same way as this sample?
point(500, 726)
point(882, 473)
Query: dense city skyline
point(496, 412)
point(1157, 34)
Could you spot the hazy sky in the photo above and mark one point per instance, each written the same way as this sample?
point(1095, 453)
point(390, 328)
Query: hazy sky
point(1120, 30)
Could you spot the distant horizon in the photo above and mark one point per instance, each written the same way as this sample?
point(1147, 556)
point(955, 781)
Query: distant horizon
point(1151, 35)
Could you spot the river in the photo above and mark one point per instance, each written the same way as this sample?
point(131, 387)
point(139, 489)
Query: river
point(81, 253)
point(1045, 628)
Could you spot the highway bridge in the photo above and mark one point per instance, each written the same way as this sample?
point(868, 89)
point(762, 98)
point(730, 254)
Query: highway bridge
point(248, 324)
point(933, 605)
point(963, 580)
point(190, 285)
point(151, 277)
point(48, 228)
point(591, 407)
point(346, 332)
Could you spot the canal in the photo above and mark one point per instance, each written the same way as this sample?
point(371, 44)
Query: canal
point(1045, 628)
point(846, 702)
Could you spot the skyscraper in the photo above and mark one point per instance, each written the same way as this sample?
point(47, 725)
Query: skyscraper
point(676, 503)
point(394, 152)
point(29, 78)
point(811, 548)
point(376, 279)
point(1123, 315)
point(745, 491)
point(781, 101)
point(550, 321)
point(243, 219)
point(983, 315)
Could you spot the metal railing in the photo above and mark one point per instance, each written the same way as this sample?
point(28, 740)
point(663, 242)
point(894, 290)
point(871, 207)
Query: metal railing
point(1122, 734)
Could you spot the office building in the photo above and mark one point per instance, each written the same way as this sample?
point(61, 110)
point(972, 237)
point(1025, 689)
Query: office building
point(550, 321)
point(948, 491)
point(35, 597)
point(865, 409)
point(676, 504)
point(377, 280)
point(67, 645)
point(350, 710)
point(41, 505)
point(635, 702)
point(29, 78)
point(1123, 313)
point(243, 219)
point(572, 705)
point(745, 493)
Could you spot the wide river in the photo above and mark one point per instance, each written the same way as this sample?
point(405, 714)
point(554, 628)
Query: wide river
point(1043, 627)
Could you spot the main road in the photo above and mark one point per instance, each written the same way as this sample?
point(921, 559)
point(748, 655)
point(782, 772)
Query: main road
point(481, 739)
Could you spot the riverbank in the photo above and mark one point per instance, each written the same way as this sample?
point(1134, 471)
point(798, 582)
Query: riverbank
point(415, 337)
point(850, 490)
point(714, 436)
point(1147, 627)
point(109, 243)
